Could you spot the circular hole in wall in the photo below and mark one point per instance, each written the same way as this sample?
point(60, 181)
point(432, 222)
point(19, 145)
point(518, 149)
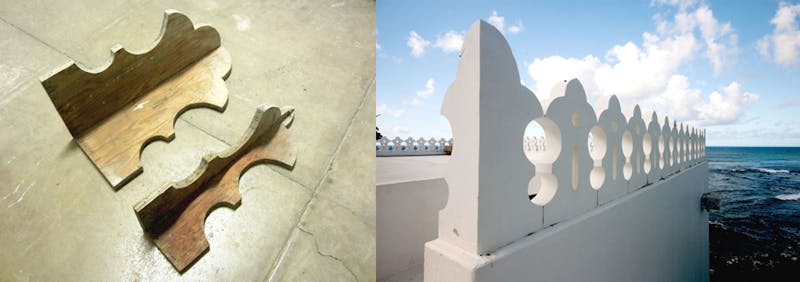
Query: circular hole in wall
point(597, 145)
point(542, 188)
point(647, 146)
point(542, 148)
point(627, 149)
point(541, 141)
point(660, 152)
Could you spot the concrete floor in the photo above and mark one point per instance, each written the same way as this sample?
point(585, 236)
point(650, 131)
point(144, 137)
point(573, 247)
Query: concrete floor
point(60, 220)
point(391, 170)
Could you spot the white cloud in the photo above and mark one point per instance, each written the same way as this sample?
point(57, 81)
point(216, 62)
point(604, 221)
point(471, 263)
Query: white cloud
point(727, 107)
point(630, 71)
point(783, 45)
point(383, 109)
point(636, 72)
point(430, 86)
point(417, 44)
point(451, 41)
point(497, 21)
point(390, 132)
point(416, 102)
point(422, 95)
point(685, 104)
point(648, 73)
point(678, 100)
point(377, 46)
point(546, 72)
point(721, 40)
point(399, 130)
point(514, 29)
point(683, 4)
point(762, 45)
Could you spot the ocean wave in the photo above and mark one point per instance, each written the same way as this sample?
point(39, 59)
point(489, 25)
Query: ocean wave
point(767, 170)
point(788, 197)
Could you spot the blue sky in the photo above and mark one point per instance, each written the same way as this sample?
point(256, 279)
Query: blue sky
point(733, 69)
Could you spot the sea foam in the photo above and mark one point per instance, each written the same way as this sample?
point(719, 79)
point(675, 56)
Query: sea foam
point(788, 197)
point(767, 170)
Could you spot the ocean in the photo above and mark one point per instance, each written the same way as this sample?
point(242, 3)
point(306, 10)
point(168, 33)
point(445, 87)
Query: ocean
point(757, 227)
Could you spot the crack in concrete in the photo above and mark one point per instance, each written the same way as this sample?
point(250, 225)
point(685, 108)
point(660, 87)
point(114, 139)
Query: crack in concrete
point(21, 195)
point(348, 209)
point(35, 38)
point(316, 245)
point(13, 192)
point(285, 248)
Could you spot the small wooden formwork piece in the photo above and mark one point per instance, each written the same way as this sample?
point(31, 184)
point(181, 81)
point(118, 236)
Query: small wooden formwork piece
point(174, 215)
point(114, 111)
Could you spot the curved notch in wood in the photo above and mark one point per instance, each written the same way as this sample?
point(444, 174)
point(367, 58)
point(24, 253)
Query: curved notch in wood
point(174, 216)
point(112, 112)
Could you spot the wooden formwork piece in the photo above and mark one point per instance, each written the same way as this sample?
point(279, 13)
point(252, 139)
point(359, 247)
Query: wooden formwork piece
point(114, 111)
point(174, 215)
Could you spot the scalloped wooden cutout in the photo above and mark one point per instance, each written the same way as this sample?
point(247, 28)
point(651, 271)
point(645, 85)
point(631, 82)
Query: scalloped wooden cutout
point(114, 111)
point(174, 216)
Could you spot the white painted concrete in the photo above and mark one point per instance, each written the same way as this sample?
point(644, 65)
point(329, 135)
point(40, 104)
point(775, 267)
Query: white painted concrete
point(657, 233)
point(574, 118)
point(634, 167)
point(604, 230)
point(652, 163)
point(407, 217)
point(613, 124)
point(488, 110)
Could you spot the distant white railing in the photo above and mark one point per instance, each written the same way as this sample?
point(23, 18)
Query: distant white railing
point(414, 147)
point(532, 144)
point(588, 156)
point(411, 147)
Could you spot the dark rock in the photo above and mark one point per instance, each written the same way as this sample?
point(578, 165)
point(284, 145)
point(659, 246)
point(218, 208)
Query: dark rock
point(736, 256)
point(711, 201)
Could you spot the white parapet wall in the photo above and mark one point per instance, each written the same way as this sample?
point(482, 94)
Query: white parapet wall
point(406, 219)
point(657, 233)
point(625, 208)
point(397, 146)
point(393, 147)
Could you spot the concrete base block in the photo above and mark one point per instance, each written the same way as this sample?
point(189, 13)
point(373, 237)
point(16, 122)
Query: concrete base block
point(657, 233)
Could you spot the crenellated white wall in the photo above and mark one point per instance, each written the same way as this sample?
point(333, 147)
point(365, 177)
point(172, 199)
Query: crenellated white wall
point(411, 147)
point(593, 159)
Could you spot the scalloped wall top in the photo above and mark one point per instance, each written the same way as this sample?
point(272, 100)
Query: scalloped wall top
point(500, 199)
point(85, 98)
point(487, 108)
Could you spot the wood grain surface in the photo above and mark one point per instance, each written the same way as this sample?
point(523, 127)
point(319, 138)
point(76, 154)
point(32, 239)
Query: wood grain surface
point(114, 112)
point(174, 216)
